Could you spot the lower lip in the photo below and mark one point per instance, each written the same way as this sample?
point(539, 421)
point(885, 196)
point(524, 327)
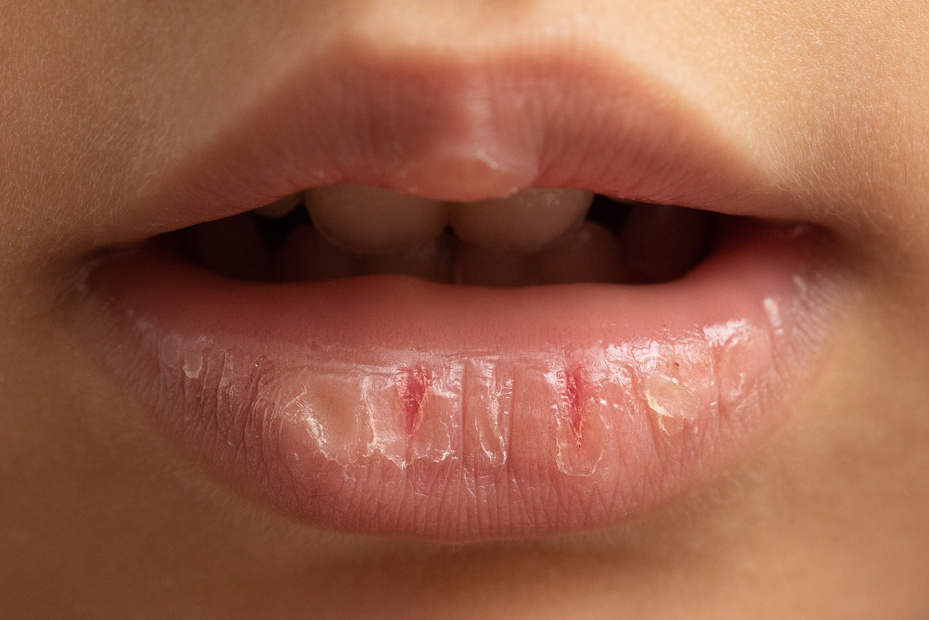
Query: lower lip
point(388, 405)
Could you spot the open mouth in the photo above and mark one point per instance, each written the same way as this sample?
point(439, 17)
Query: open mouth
point(534, 237)
point(465, 355)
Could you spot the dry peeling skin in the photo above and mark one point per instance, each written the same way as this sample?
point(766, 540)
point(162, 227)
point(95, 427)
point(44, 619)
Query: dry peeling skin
point(408, 406)
point(361, 407)
point(481, 425)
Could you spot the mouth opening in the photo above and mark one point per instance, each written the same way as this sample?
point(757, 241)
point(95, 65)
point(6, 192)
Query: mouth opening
point(535, 237)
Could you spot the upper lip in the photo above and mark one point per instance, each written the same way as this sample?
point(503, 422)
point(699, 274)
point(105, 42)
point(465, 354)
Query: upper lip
point(460, 127)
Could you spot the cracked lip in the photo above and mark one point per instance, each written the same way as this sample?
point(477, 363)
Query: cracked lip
point(384, 405)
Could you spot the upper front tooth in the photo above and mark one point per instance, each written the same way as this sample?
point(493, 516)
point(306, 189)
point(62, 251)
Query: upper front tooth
point(371, 220)
point(526, 221)
point(279, 208)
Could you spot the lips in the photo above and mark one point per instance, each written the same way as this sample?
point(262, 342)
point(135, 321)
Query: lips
point(391, 405)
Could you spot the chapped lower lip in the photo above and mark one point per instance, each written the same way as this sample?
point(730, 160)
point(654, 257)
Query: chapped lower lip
point(393, 406)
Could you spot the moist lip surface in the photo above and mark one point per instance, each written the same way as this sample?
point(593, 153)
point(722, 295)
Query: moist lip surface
point(392, 405)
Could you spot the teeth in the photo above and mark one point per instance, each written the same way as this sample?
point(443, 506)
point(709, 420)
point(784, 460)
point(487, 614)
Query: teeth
point(280, 208)
point(661, 243)
point(525, 222)
point(370, 220)
point(534, 237)
point(429, 261)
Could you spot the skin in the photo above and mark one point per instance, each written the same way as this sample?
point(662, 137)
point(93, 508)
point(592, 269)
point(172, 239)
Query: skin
point(100, 515)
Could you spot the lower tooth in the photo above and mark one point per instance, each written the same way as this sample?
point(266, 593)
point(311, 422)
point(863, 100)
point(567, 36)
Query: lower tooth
point(232, 247)
point(429, 261)
point(661, 243)
point(591, 254)
point(306, 255)
point(525, 222)
point(370, 220)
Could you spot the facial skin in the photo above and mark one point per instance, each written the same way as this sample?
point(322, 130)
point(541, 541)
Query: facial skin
point(102, 102)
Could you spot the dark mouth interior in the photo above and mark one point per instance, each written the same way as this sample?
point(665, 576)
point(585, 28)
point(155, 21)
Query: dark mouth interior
point(636, 244)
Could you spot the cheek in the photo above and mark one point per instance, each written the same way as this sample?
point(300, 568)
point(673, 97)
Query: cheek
point(91, 114)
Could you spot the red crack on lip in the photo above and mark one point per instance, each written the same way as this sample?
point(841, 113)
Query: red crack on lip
point(572, 398)
point(413, 386)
